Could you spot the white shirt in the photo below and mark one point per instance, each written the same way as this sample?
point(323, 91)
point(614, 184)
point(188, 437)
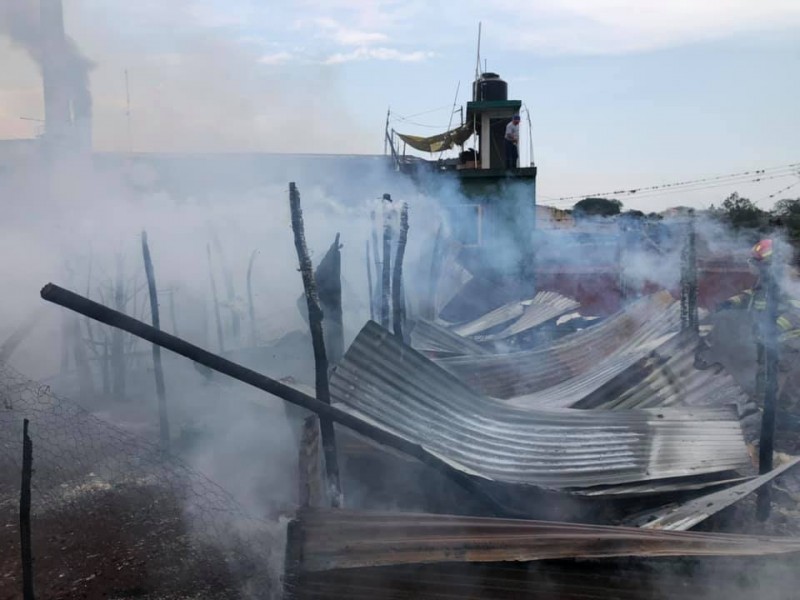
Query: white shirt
point(512, 132)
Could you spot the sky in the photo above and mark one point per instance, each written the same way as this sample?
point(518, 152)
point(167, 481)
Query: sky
point(621, 93)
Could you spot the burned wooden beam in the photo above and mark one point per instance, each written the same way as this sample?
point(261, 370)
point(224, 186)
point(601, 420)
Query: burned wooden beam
point(386, 278)
point(215, 299)
point(398, 305)
point(369, 286)
point(769, 335)
point(315, 317)
point(117, 352)
point(103, 314)
point(158, 370)
point(250, 305)
point(328, 277)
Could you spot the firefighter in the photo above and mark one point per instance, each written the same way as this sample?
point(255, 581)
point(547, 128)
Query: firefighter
point(754, 301)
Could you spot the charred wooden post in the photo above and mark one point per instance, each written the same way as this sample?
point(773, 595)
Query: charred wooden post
point(369, 285)
point(215, 299)
point(103, 314)
point(230, 292)
point(386, 278)
point(25, 514)
point(690, 320)
point(250, 305)
point(328, 278)
point(398, 304)
point(318, 340)
point(117, 339)
point(172, 316)
point(161, 392)
point(769, 336)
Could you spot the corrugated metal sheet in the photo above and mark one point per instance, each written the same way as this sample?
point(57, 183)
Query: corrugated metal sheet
point(680, 517)
point(430, 337)
point(668, 377)
point(569, 393)
point(628, 336)
point(388, 383)
point(333, 539)
point(544, 307)
point(498, 316)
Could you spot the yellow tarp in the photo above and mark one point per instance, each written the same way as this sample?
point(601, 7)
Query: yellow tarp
point(441, 142)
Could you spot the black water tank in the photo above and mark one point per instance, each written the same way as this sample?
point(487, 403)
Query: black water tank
point(489, 87)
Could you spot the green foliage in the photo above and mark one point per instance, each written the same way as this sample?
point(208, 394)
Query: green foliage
point(601, 207)
point(741, 213)
point(787, 213)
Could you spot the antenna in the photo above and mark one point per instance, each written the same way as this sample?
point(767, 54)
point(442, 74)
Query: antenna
point(128, 110)
point(478, 59)
point(452, 112)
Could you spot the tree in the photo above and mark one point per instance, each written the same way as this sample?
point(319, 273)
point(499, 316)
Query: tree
point(741, 213)
point(602, 207)
point(787, 213)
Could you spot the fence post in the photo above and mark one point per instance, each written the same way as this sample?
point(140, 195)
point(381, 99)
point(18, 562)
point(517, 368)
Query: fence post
point(25, 514)
point(769, 335)
point(386, 279)
point(161, 392)
point(318, 340)
point(398, 304)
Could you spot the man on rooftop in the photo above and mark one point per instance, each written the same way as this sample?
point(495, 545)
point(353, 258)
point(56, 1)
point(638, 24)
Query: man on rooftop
point(512, 140)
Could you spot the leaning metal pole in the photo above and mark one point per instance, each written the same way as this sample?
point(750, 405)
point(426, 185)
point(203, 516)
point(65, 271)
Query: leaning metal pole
point(103, 314)
point(318, 340)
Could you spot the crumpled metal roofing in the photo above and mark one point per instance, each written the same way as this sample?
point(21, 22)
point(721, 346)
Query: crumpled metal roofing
point(622, 340)
point(544, 307)
point(525, 314)
point(498, 316)
point(342, 539)
point(668, 377)
point(680, 517)
point(430, 337)
point(393, 386)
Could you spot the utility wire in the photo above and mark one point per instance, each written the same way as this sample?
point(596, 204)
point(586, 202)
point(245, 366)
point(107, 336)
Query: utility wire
point(688, 189)
point(688, 183)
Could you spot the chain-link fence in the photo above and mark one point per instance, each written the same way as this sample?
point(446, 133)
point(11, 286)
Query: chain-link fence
point(114, 518)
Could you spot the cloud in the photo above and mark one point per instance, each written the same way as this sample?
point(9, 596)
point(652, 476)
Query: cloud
point(333, 30)
point(365, 53)
point(277, 58)
point(619, 26)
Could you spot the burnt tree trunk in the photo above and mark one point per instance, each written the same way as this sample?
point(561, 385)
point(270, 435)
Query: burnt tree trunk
point(398, 302)
point(315, 317)
point(158, 370)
